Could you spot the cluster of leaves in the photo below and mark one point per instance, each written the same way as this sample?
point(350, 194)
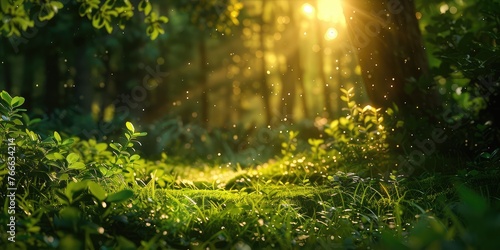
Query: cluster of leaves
point(63, 197)
point(361, 134)
point(466, 45)
point(17, 16)
point(76, 194)
point(213, 13)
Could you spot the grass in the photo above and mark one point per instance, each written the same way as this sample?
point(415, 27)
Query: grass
point(318, 194)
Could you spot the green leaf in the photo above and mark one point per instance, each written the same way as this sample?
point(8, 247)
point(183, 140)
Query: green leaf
point(6, 97)
point(17, 101)
point(115, 146)
point(73, 157)
point(54, 156)
point(97, 191)
point(57, 137)
point(139, 134)
point(120, 196)
point(101, 147)
point(77, 165)
point(134, 157)
point(475, 205)
point(73, 188)
point(18, 122)
point(56, 5)
point(145, 6)
point(125, 244)
point(34, 121)
point(68, 141)
point(64, 177)
point(130, 127)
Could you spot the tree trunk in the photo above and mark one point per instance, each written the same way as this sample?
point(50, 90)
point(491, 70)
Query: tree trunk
point(327, 104)
point(338, 68)
point(84, 89)
point(52, 80)
point(203, 79)
point(109, 93)
point(264, 88)
point(7, 76)
point(6, 67)
point(28, 79)
point(390, 51)
point(297, 60)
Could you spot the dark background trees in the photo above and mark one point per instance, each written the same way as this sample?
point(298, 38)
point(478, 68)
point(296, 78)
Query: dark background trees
point(248, 63)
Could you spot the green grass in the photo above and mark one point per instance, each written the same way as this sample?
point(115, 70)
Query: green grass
point(318, 194)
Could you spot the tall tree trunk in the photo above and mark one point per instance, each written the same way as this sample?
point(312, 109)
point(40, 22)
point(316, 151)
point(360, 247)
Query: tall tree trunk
point(84, 89)
point(264, 88)
point(287, 91)
point(327, 104)
point(109, 94)
point(390, 51)
point(203, 79)
point(338, 69)
point(52, 81)
point(28, 79)
point(6, 67)
point(7, 75)
point(297, 60)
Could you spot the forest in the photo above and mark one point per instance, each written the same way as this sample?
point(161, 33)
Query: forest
point(249, 124)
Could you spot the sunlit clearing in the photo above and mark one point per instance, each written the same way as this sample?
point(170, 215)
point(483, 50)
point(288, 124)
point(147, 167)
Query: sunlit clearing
point(331, 34)
point(331, 11)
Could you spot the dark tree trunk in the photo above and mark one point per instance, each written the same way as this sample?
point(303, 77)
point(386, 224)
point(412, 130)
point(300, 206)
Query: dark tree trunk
point(7, 76)
point(203, 79)
point(264, 88)
point(28, 79)
point(327, 104)
point(297, 60)
point(84, 89)
point(6, 67)
point(52, 81)
point(109, 93)
point(390, 51)
point(287, 92)
point(338, 69)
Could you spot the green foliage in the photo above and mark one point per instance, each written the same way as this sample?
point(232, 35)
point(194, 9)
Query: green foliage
point(289, 146)
point(88, 194)
point(60, 186)
point(220, 15)
point(103, 14)
point(467, 71)
point(361, 134)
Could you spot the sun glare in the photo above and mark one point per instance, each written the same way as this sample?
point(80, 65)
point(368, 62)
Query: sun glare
point(331, 34)
point(329, 11)
point(308, 9)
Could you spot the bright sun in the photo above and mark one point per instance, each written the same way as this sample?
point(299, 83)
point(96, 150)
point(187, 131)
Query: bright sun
point(329, 11)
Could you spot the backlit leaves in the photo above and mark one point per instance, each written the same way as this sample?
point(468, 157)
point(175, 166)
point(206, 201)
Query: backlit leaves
point(15, 18)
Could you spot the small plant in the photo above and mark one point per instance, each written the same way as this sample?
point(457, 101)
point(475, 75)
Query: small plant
point(361, 134)
point(289, 146)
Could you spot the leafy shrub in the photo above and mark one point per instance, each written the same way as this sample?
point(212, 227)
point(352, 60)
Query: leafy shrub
point(61, 194)
point(468, 71)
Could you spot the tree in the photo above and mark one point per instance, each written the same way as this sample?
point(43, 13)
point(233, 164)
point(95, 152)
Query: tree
point(21, 15)
point(206, 15)
point(23, 20)
point(264, 87)
point(386, 35)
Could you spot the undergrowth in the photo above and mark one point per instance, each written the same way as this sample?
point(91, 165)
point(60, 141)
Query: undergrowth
point(321, 193)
